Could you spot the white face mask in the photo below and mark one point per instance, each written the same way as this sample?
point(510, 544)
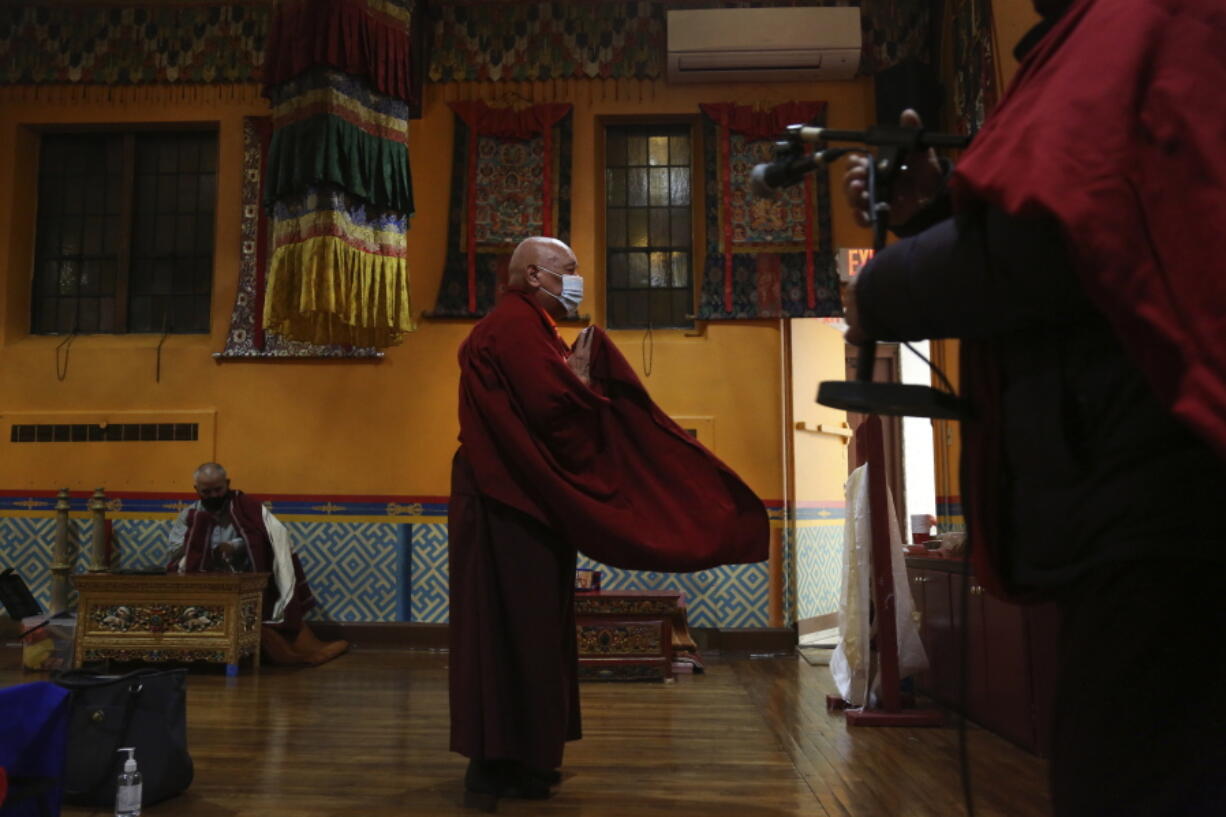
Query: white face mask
point(572, 291)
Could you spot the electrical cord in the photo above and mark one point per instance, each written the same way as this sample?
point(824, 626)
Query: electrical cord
point(649, 350)
point(157, 375)
point(964, 760)
point(61, 368)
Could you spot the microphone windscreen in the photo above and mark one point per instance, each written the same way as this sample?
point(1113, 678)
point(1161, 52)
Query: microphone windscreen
point(758, 184)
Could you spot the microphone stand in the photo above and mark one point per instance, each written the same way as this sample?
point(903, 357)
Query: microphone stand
point(864, 396)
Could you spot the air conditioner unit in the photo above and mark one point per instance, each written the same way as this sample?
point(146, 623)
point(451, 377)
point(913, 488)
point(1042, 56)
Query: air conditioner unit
point(763, 44)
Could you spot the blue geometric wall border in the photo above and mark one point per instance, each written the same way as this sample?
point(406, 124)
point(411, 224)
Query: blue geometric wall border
point(430, 588)
point(367, 565)
point(819, 566)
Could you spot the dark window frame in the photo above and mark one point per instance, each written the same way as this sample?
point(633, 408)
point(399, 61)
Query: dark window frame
point(118, 276)
point(625, 308)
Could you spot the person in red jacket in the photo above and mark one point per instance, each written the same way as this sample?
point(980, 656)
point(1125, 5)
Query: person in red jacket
point(561, 449)
point(1076, 252)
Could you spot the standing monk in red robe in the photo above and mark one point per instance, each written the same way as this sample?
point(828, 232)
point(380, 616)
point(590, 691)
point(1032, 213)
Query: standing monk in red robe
point(561, 449)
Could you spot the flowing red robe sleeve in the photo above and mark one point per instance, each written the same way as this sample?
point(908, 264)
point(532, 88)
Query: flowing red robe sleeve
point(1115, 126)
point(602, 465)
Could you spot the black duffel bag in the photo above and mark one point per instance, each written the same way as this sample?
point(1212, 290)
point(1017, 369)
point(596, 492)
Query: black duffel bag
point(146, 709)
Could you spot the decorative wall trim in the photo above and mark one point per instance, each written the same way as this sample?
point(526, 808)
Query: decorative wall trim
point(141, 43)
point(500, 41)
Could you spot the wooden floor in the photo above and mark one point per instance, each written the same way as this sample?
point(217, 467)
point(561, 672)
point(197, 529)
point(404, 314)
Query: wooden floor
point(367, 735)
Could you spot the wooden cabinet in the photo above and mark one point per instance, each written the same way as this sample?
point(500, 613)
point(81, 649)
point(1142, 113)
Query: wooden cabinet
point(1010, 653)
point(626, 635)
point(933, 599)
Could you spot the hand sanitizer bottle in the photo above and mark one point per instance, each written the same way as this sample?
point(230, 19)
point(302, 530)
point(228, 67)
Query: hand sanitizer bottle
point(127, 795)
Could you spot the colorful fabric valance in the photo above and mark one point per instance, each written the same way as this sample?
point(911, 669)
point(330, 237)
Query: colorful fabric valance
point(766, 258)
point(338, 183)
point(372, 39)
point(340, 261)
point(248, 339)
point(510, 180)
point(329, 128)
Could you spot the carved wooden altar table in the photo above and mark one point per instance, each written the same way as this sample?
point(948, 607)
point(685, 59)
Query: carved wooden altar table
point(157, 618)
point(629, 635)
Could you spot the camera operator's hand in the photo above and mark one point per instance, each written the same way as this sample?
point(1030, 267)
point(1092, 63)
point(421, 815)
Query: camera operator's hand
point(916, 185)
point(851, 316)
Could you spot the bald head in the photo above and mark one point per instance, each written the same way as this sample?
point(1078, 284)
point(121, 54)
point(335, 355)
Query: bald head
point(538, 251)
point(211, 481)
point(210, 470)
point(536, 265)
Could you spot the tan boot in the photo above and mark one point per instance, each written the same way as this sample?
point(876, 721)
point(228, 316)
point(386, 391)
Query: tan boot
point(306, 642)
point(279, 650)
point(333, 649)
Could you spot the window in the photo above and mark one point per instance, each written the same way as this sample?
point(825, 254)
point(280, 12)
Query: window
point(124, 239)
point(648, 235)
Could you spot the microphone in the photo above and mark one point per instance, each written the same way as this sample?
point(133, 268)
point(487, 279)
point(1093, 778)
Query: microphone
point(791, 163)
point(766, 180)
point(880, 136)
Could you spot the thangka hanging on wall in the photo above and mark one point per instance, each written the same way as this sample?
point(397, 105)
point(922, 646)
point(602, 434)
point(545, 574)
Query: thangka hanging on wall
point(975, 90)
point(248, 338)
point(108, 44)
point(766, 258)
point(508, 41)
point(510, 179)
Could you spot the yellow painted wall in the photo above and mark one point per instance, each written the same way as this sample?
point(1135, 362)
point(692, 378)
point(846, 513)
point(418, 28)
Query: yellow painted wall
point(1011, 19)
point(349, 427)
point(818, 354)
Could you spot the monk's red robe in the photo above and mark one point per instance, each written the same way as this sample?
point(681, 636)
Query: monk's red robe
point(247, 513)
point(548, 466)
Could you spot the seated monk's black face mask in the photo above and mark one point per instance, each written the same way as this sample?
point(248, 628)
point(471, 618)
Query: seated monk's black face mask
point(213, 504)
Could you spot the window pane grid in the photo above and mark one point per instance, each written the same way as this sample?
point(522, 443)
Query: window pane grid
point(73, 279)
point(81, 266)
point(648, 201)
point(172, 257)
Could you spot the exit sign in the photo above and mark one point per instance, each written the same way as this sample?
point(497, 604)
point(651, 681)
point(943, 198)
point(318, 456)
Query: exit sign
point(851, 261)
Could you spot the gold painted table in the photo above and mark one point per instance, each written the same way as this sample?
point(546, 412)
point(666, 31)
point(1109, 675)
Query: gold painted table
point(626, 635)
point(199, 617)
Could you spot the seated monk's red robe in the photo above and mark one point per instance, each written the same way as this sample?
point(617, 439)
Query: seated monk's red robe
point(248, 516)
point(548, 466)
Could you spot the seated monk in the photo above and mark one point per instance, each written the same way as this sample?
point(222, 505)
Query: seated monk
point(228, 531)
